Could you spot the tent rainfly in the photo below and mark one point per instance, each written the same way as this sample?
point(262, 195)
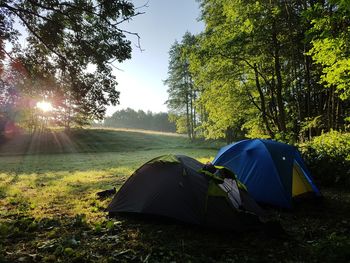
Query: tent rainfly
point(273, 172)
point(184, 189)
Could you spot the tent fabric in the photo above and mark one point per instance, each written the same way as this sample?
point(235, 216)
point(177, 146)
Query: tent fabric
point(300, 183)
point(267, 168)
point(176, 189)
point(230, 187)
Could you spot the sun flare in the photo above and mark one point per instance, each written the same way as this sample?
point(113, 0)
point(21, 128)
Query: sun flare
point(44, 106)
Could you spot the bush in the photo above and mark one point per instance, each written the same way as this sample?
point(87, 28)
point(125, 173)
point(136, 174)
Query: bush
point(328, 158)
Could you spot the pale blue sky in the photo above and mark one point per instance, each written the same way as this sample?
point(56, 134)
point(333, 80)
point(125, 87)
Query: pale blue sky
point(141, 78)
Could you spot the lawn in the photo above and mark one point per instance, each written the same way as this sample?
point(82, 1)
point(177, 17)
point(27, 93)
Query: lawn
point(50, 212)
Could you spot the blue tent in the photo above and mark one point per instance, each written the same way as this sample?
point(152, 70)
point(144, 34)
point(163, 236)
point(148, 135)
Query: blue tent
point(273, 172)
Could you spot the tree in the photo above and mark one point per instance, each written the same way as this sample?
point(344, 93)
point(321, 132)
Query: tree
point(256, 53)
point(221, 97)
point(329, 48)
point(241, 40)
point(130, 118)
point(182, 91)
point(71, 46)
point(330, 43)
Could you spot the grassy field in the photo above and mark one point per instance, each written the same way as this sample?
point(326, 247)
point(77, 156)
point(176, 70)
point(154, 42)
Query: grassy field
point(50, 213)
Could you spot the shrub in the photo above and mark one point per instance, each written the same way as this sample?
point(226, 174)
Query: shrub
point(328, 158)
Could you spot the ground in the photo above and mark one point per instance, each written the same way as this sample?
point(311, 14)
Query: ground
point(50, 211)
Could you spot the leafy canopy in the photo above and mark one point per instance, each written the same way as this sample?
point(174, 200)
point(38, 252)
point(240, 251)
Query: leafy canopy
point(330, 44)
point(69, 51)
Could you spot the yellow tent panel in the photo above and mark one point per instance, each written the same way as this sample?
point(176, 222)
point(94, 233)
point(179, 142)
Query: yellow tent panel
point(300, 183)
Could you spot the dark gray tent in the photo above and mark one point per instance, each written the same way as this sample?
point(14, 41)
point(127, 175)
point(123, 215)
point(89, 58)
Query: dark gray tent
point(180, 187)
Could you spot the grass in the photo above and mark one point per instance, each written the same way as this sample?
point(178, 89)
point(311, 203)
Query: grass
point(98, 141)
point(50, 212)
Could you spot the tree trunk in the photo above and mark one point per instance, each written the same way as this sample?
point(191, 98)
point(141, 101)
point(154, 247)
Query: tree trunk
point(191, 110)
point(274, 111)
point(229, 135)
point(329, 99)
point(308, 114)
point(262, 102)
point(188, 116)
point(279, 84)
point(194, 115)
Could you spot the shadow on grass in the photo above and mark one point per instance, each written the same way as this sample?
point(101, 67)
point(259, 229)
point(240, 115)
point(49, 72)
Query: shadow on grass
point(41, 164)
point(78, 188)
point(73, 162)
point(128, 239)
point(94, 140)
point(312, 228)
point(170, 240)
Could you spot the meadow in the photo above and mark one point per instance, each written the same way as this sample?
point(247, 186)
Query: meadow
point(50, 211)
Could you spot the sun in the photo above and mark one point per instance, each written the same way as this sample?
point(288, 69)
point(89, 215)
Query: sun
point(45, 106)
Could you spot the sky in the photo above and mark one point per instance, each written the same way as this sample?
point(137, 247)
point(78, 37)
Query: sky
point(140, 79)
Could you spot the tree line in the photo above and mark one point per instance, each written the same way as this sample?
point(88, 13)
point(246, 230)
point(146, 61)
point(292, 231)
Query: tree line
point(269, 68)
point(129, 118)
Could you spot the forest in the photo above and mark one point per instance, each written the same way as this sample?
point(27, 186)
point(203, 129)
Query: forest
point(268, 69)
point(130, 118)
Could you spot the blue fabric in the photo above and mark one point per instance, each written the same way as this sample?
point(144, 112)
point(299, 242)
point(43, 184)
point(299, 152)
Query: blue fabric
point(283, 158)
point(265, 167)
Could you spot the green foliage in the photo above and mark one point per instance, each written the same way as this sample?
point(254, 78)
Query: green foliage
point(276, 69)
point(180, 122)
point(330, 44)
point(67, 58)
point(328, 158)
point(182, 92)
point(130, 118)
point(310, 123)
point(254, 129)
point(222, 97)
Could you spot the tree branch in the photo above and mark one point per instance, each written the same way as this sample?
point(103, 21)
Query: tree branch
point(17, 8)
point(249, 64)
point(40, 38)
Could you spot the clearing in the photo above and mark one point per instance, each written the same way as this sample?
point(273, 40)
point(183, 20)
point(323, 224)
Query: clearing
point(50, 213)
